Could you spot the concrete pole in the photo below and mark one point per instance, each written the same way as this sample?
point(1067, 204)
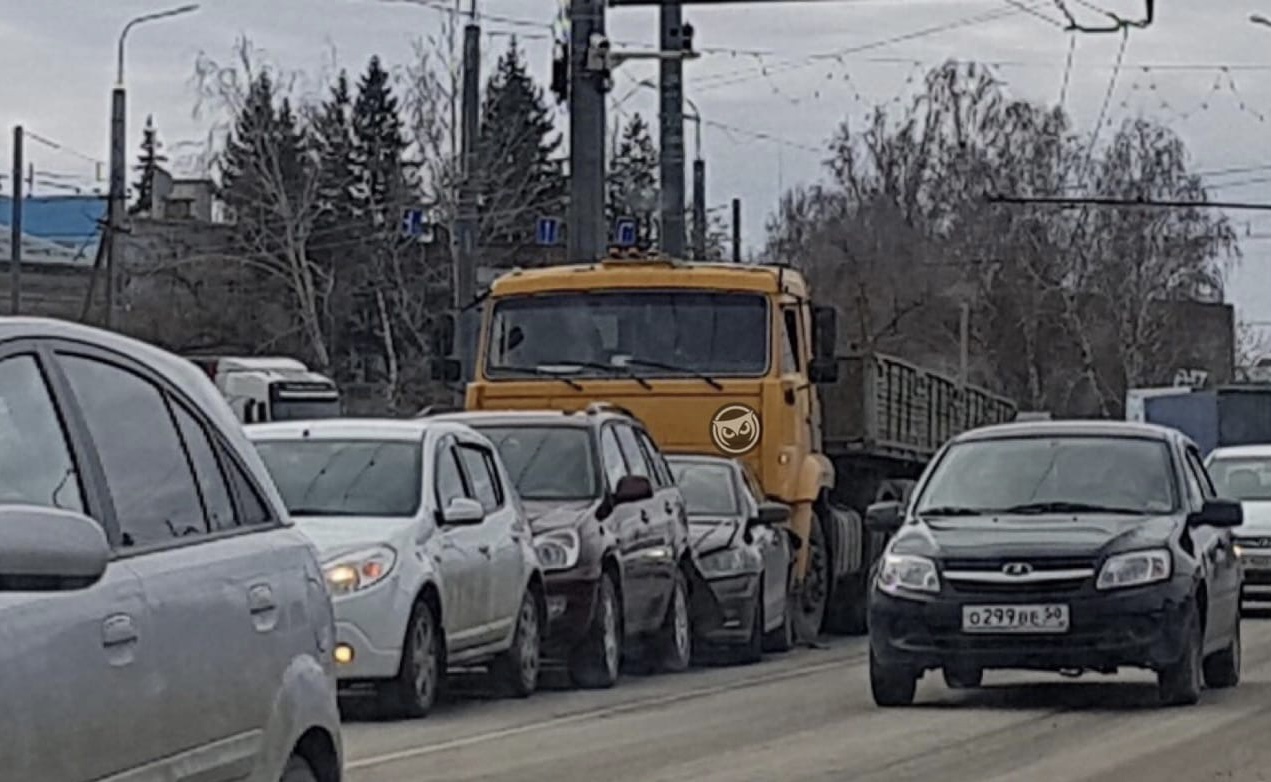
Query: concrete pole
point(736, 230)
point(115, 205)
point(586, 226)
point(15, 256)
point(671, 143)
point(465, 268)
point(699, 209)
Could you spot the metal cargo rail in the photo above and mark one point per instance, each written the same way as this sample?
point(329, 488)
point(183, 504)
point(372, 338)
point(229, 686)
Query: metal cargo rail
point(885, 406)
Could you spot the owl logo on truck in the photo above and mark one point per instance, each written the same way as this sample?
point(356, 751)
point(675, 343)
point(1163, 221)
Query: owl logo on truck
point(735, 429)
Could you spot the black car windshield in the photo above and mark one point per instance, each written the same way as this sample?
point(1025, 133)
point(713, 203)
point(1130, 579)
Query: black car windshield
point(346, 477)
point(1242, 478)
point(1068, 474)
point(650, 334)
point(547, 462)
point(707, 487)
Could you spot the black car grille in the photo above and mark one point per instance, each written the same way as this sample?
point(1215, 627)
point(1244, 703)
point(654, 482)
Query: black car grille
point(995, 564)
point(1021, 587)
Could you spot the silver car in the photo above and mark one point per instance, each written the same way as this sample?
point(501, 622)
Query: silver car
point(425, 546)
point(160, 617)
point(1243, 472)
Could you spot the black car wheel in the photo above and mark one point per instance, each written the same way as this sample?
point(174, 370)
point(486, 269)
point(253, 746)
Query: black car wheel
point(517, 668)
point(675, 639)
point(1222, 669)
point(782, 639)
point(414, 691)
point(752, 652)
point(1179, 684)
point(298, 770)
point(891, 685)
point(596, 662)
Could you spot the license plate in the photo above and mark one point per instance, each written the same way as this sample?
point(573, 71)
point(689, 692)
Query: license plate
point(1015, 619)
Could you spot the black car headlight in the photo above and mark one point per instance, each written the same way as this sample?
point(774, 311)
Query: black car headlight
point(1135, 568)
point(730, 562)
point(900, 573)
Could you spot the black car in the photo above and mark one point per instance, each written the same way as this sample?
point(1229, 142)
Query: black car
point(744, 551)
point(1067, 546)
point(611, 532)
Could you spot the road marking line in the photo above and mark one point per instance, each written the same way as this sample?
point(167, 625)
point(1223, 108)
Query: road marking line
point(600, 713)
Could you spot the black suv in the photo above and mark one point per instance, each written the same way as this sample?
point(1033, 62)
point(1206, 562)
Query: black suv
point(1068, 546)
point(611, 530)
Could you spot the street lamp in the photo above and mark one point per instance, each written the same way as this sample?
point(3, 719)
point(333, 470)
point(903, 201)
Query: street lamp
point(699, 171)
point(118, 104)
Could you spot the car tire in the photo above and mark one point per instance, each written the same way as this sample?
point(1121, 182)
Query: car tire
point(891, 685)
point(518, 668)
point(675, 638)
point(963, 678)
point(782, 639)
point(1222, 669)
point(414, 691)
point(298, 770)
point(596, 663)
point(1179, 684)
point(752, 652)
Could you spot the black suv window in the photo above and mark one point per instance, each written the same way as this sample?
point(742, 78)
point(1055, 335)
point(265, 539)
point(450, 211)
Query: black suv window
point(136, 441)
point(35, 462)
point(482, 477)
point(207, 469)
point(611, 455)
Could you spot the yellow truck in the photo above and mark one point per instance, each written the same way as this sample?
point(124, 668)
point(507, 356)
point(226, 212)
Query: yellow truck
point(736, 360)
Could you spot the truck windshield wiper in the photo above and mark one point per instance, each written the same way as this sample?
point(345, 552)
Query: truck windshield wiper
point(643, 362)
point(541, 371)
point(1069, 507)
point(950, 510)
point(610, 368)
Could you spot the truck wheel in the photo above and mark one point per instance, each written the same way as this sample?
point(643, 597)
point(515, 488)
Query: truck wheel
point(848, 611)
point(814, 593)
point(596, 662)
point(891, 685)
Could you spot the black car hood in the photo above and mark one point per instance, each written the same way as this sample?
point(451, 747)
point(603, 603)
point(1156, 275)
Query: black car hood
point(715, 534)
point(545, 515)
point(1056, 535)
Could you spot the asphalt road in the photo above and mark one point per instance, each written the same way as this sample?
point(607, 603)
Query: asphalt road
point(808, 716)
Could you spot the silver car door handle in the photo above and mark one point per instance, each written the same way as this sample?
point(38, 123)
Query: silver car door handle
point(260, 599)
point(118, 630)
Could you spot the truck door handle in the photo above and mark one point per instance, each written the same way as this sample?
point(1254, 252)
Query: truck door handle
point(118, 630)
point(260, 599)
point(484, 549)
point(644, 516)
point(669, 509)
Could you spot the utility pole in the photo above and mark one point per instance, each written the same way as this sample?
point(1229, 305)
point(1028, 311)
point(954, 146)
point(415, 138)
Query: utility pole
point(736, 230)
point(115, 204)
point(671, 142)
point(587, 85)
point(15, 241)
point(465, 261)
point(699, 209)
point(964, 343)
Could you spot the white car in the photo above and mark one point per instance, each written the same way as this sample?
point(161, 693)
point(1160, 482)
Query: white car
point(1243, 472)
point(426, 549)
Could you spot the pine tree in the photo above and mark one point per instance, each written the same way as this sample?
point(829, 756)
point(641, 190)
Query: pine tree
point(379, 148)
point(264, 159)
point(633, 177)
point(519, 176)
point(150, 160)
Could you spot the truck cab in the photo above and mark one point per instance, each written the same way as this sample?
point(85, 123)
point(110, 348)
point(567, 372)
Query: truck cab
point(262, 389)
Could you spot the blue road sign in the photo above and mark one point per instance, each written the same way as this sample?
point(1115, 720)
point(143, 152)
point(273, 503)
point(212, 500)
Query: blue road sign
point(417, 224)
point(547, 231)
point(625, 230)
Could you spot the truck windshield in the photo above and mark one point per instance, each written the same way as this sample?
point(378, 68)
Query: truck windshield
point(1242, 478)
point(345, 477)
point(1068, 474)
point(547, 462)
point(304, 409)
point(649, 333)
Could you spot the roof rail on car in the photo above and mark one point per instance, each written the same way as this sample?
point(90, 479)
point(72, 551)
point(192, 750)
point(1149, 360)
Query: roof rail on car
point(432, 410)
point(610, 407)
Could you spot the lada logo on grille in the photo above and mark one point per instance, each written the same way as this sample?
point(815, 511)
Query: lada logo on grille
point(1017, 568)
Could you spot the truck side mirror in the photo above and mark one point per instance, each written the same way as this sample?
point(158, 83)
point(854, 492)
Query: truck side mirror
point(443, 335)
point(823, 370)
point(824, 331)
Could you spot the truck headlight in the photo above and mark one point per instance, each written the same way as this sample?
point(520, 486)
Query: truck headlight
point(730, 561)
point(899, 573)
point(1135, 568)
point(359, 570)
point(558, 549)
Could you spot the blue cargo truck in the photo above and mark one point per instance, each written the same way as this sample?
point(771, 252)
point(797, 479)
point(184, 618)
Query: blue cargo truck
point(1214, 418)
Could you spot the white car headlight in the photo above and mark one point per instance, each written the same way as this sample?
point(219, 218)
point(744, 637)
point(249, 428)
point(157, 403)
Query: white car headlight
point(558, 549)
point(906, 572)
point(730, 561)
point(359, 570)
point(1135, 568)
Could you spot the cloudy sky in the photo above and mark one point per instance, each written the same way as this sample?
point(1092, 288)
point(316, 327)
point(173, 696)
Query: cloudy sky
point(774, 80)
